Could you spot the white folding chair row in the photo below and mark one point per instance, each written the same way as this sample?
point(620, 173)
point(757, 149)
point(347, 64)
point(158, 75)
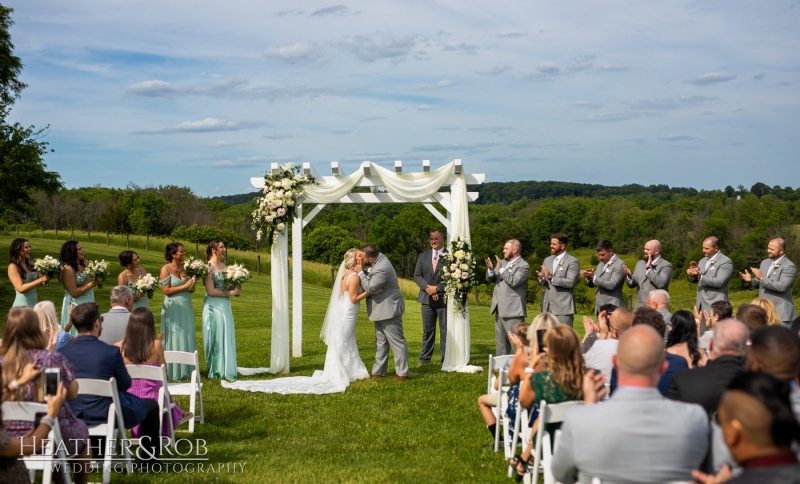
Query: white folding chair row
point(543, 450)
point(498, 364)
point(194, 389)
point(114, 429)
point(158, 374)
point(521, 435)
point(26, 412)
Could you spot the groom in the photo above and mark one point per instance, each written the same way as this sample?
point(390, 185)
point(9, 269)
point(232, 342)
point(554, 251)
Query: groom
point(386, 310)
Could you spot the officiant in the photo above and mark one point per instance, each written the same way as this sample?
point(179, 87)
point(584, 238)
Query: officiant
point(431, 296)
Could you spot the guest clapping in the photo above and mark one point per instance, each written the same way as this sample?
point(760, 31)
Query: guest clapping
point(22, 275)
point(48, 322)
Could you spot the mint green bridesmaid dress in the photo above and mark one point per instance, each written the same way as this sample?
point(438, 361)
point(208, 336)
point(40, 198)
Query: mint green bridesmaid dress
point(81, 279)
point(29, 298)
point(142, 302)
point(177, 322)
point(219, 339)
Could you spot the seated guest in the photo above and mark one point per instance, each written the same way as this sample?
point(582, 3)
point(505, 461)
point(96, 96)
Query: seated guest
point(599, 355)
point(23, 343)
point(752, 316)
point(593, 330)
point(705, 385)
point(637, 435)
point(675, 363)
point(760, 431)
point(776, 350)
point(560, 379)
point(720, 311)
point(141, 347)
point(94, 359)
point(116, 320)
point(769, 308)
point(682, 340)
point(658, 299)
point(51, 325)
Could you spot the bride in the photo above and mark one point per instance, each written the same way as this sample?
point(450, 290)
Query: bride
point(342, 362)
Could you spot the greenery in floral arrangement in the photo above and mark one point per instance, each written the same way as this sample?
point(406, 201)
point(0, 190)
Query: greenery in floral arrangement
point(458, 273)
point(276, 207)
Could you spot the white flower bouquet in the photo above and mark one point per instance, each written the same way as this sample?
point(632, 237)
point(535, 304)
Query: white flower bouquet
point(96, 270)
point(276, 208)
point(458, 273)
point(195, 267)
point(147, 284)
point(47, 265)
point(235, 275)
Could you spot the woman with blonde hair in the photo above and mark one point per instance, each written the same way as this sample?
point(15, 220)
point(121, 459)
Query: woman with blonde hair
point(767, 305)
point(48, 322)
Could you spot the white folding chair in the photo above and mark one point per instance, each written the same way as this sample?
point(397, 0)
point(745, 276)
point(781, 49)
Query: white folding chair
point(521, 434)
point(498, 363)
point(157, 373)
point(114, 429)
point(543, 450)
point(26, 412)
point(194, 389)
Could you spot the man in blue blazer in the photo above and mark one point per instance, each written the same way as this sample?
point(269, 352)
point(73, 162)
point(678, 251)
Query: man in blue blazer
point(94, 359)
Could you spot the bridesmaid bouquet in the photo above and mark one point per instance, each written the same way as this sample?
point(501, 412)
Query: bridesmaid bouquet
point(235, 275)
point(96, 269)
point(458, 273)
point(147, 284)
point(194, 267)
point(48, 265)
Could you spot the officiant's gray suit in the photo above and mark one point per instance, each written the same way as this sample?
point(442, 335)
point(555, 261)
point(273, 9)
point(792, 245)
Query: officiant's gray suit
point(657, 277)
point(559, 290)
point(508, 300)
point(777, 286)
point(386, 310)
point(424, 276)
point(712, 285)
point(609, 284)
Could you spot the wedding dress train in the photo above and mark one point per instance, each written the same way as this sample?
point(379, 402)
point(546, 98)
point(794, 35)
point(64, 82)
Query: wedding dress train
point(342, 361)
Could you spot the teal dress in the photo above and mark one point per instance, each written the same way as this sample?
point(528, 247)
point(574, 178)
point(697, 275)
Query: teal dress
point(219, 339)
point(177, 323)
point(142, 302)
point(81, 279)
point(28, 298)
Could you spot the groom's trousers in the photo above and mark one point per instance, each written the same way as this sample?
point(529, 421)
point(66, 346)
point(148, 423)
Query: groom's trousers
point(389, 333)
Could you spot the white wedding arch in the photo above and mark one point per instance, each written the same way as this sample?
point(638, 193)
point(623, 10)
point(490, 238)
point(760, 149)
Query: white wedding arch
point(386, 186)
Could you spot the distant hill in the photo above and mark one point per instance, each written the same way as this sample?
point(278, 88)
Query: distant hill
point(237, 199)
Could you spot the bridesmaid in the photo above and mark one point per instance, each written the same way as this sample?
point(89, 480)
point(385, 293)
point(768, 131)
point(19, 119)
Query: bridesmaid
point(133, 271)
point(219, 342)
point(78, 287)
point(22, 276)
point(177, 316)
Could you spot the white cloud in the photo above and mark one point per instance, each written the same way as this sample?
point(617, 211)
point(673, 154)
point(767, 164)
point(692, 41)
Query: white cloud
point(206, 125)
point(337, 10)
point(380, 45)
point(611, 68)
point(444, 83)
point(153, 88)
point(613, 117)
point(587, 104)
point(670, 103)
point(372, 118)
point(226, 144)
point(297, 53)
point(424, 107)
point(710, 78)
point(678, 137)
point(278, 136)
point(237, 88)
point(496, 69)
point(465, 147)
point(241, 162)
point(462, 48)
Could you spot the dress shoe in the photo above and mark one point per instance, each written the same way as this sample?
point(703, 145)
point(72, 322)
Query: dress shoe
point(376, 376)
point(422, 363)
point(401, 378)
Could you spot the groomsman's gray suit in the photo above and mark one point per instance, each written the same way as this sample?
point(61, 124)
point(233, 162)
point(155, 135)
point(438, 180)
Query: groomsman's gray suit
point(609, 284)
point(712, 285)
point(508, 300)
point(115, 322)
point(386, 311)
point(636, 436)
point(657, 277)
point(424, 275)
point(559, 290)
point(777, 287)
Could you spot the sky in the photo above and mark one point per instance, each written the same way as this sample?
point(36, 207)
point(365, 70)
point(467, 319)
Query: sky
point(206, 94)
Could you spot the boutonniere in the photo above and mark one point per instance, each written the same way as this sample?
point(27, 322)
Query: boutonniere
point(561, 262)
point(777, 265)
point(713, 261)
point(510, 265)
point(369, 270)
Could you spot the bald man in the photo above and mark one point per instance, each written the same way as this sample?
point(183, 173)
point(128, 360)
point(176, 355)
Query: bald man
point(637, 435)
point(652, 272)
point(712, 275)
point(774, 280)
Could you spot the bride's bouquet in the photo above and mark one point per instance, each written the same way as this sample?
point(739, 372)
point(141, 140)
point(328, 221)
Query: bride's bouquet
point(235, 275)
point(458, 273)
point(195, 267)
point(97, 269)
point(47, 265)
point(147, 284)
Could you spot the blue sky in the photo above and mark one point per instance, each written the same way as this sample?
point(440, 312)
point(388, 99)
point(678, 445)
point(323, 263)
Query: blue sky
point(206, 94)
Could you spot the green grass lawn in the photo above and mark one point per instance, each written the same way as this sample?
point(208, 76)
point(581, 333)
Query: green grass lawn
point(426, 429)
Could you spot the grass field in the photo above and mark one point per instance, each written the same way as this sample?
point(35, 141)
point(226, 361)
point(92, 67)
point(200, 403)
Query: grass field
point(426, 429)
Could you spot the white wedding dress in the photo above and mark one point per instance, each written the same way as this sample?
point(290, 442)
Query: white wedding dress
point(342, 361)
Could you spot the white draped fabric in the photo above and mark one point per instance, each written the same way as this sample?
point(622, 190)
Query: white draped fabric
point(413, 187)
point(456, 356)
point(330, 192)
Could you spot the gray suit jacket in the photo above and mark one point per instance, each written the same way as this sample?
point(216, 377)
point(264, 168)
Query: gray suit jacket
point(658, 278)
point(510, 290)
point(712, 286)
point(637, 436)
point(115, 322)
point(609, 284)
point(389, 303)
point(778, 287)
point(425, 276)
point(559, 291)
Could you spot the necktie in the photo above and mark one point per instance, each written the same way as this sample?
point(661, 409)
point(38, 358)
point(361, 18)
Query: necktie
point(555, 265)
point(771, 268)
point(435, 259)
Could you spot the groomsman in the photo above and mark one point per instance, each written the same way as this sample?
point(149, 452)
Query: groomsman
point(652, 272)
point(711, 275)
point(431, 297)
point(559, 276)
point(608, 278)
point(774, 280)
point(510, 293)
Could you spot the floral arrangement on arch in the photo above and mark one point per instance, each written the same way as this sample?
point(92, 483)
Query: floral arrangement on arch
point(276, 208)
point(458, 273)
